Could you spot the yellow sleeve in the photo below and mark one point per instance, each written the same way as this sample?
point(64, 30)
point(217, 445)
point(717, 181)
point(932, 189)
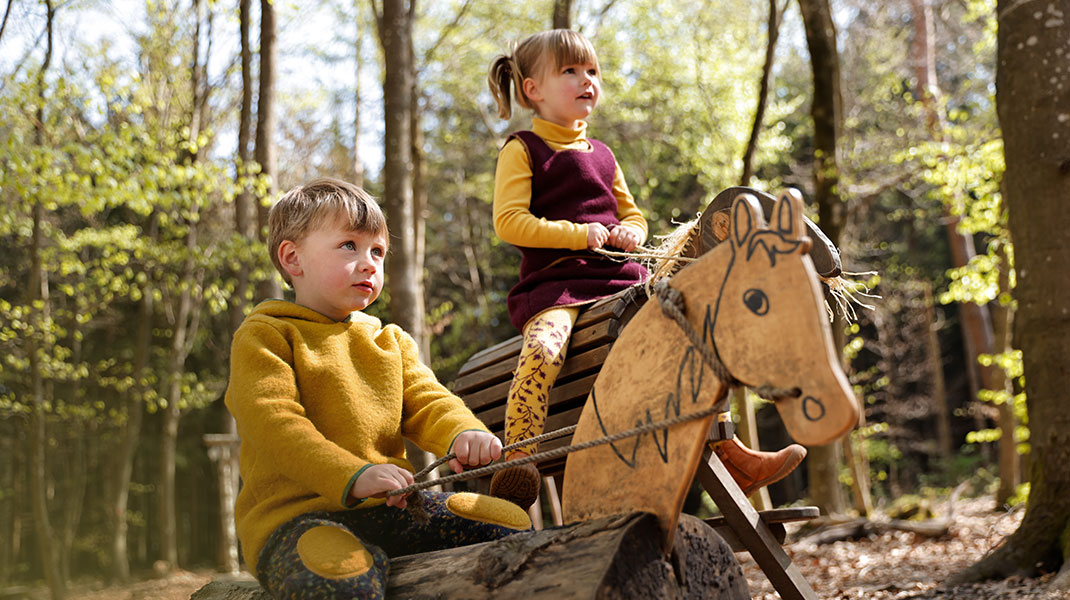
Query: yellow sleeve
point(262, 395)
point(627, 211)
point(513, 221)
point(432, 416)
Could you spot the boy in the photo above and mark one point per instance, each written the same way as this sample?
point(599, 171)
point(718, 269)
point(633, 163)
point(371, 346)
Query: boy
point(322, 395)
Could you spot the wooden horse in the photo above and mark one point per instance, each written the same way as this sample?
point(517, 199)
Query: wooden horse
point(755, 304)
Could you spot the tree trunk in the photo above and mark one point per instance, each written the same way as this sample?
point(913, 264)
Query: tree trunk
point(562, 17)
point(419, 200)
point(772, 32)
point(826, 111)
point(1002, 321)
point(1031, 100)
point(397, 167)
point(939, 387)
point(614, 557)
point(976, 319)
point(243, 201)
point(130, 432)
point(39, 301)
point(265, 131)
point(358, 164)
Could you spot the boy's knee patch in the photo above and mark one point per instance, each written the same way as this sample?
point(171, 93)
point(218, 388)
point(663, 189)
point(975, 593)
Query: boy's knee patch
point(333, 553)
point(487, 509)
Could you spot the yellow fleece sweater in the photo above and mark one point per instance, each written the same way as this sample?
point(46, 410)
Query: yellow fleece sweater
point(316, 401)
point(513, 221)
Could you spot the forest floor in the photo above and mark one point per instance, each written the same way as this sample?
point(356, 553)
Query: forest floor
point(891, 565)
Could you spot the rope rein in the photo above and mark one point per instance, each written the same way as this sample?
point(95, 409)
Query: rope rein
point(672, 305)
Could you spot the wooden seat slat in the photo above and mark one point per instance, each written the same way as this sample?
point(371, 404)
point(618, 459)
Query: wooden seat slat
point(610, 308)
point(496, 390)
point(573, 392)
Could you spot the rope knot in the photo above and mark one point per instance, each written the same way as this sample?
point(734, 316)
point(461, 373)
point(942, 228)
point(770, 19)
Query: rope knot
point(670, 299)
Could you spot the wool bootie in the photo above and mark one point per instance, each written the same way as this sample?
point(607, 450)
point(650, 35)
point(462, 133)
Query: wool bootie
point(519, 485)
point(753, 469)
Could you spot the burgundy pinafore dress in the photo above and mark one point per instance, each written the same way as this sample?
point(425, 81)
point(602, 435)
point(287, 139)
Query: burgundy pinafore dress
point(576, 186)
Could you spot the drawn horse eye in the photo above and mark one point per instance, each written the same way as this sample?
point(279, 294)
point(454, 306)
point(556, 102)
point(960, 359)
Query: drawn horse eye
point(756, 301)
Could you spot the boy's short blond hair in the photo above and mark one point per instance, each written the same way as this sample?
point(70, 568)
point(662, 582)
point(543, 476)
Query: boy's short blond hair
point(308, 206)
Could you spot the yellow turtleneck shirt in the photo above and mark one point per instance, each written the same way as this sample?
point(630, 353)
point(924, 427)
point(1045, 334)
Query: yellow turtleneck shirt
point(513, 221)
point(316, 402)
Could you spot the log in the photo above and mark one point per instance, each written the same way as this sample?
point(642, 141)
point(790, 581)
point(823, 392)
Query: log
point(613, 557)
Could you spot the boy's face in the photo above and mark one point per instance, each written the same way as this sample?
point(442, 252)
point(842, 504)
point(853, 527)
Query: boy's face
point(334, 270)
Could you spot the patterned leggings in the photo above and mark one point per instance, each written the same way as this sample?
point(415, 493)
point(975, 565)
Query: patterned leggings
point(541, 357)
point(345, 554)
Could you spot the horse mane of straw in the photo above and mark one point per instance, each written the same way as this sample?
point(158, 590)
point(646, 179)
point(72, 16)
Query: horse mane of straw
point(664, 259)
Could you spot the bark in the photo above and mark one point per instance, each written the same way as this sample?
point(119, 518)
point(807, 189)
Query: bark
point(1002, 321)
point(419, 199)
point(358, 164)
point(826, 111)
point(243, 201)
point(1031, 101)
point(562, 17)
point(264, 153)
point(38, 295)
point(398, 167)
point(614, 557)
point(772, 32)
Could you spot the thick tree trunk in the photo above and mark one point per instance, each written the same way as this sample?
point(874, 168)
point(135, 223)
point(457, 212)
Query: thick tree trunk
point(398, 168)
point(939, 386)
point(562, 17)
point(826, 110)
point(265, 131)
point(1031, 100)
point(419, 200)
point(614, 557)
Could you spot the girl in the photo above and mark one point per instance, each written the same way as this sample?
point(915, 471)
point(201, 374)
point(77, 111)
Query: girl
point(557, 196)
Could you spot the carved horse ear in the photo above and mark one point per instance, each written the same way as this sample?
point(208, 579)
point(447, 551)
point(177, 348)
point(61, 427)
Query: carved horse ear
point(747, 217)
point(788, 217)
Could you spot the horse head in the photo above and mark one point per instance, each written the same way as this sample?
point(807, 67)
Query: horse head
point(769, 324)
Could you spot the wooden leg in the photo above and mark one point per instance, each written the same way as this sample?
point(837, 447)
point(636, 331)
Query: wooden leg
point(554, 500)
point(752, 532)
point(535, 512)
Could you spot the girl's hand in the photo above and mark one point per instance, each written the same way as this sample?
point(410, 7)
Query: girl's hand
point(475, 448)
point(597, 235)
point(376, 480)
point(624, 237)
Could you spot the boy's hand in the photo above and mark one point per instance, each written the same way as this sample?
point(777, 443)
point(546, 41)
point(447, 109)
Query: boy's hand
point(597, 234)
point(624, 237)
point(376, 480)
point(473, 449)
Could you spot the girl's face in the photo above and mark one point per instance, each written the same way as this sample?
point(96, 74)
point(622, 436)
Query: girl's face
point(565, 95)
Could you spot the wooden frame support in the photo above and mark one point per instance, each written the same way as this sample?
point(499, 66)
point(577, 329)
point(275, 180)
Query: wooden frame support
point(751, 530)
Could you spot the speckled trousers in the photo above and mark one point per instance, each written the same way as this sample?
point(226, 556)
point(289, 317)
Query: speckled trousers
point(541, 357)
point(345, 554)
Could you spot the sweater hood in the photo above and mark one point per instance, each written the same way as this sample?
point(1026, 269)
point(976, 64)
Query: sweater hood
point(282, 309)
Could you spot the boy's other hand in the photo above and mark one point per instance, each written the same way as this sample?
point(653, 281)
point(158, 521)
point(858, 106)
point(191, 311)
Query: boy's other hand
point(473, 449)
point(376, 480)
point(597, 235)
point(624, 237)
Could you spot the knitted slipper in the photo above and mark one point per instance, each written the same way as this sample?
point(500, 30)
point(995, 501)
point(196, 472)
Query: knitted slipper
point(519, 485)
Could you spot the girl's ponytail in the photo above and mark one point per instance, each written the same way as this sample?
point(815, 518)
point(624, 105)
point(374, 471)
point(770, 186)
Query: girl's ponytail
point(503, 73)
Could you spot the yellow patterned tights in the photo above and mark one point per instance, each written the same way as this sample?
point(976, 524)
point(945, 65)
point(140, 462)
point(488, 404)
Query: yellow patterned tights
point(541, 357)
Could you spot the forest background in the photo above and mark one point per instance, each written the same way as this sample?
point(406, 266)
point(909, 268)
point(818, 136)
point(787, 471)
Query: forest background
point(141, 144)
